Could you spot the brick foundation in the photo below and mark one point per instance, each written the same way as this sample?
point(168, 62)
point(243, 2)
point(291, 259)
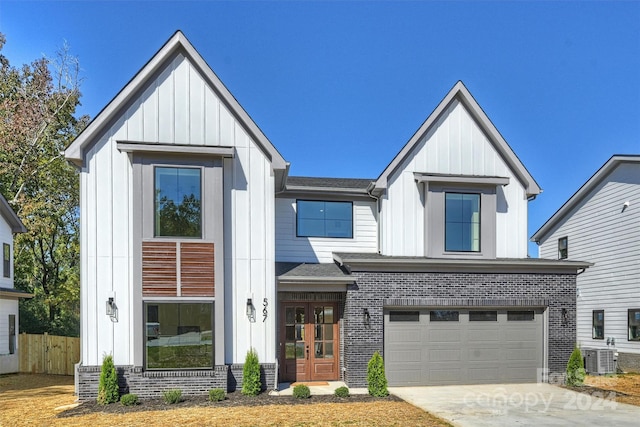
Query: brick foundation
point(149, 384)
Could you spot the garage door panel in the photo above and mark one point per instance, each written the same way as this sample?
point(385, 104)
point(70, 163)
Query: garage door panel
point(464, 351)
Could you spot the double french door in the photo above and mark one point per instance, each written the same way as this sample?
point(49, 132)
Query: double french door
point(309, 342)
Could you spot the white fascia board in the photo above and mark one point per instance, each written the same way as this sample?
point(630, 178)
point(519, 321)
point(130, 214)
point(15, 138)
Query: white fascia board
point(460, 91)
point(75, 151)
point(11, 217)
point(582, 192)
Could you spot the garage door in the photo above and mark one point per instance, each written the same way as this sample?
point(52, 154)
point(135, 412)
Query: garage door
point(463, 346)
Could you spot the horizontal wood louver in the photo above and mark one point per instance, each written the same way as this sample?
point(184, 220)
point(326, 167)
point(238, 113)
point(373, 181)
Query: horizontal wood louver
point(197, 269)
point(159, 274)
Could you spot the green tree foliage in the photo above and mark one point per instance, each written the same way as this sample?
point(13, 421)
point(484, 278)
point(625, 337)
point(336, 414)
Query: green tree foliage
point(37, 122)
point(251, 384)
point(108, 389)
point(575, 369)
point(376, 378)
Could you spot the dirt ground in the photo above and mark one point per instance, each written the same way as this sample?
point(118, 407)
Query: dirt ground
point(625, 386)
point(49, 400)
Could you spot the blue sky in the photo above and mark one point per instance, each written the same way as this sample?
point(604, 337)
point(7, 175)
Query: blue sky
point(340, 87)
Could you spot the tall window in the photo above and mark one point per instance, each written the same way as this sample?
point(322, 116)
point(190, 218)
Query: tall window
point(324, 219)
point(598, 325)
point(563, 248)
point(178, 211)
point(12, 334)
point(179, 335)
point(634, 324)
point(6, 260)
point(462, 222)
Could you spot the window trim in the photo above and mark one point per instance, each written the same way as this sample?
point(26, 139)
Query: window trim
point(6, 260)
point(455, 314)
point(404, 316)
point(523, 313)
point(297, 223)
point(629, 311)
point(563, 253)
point(464, 193)
point(494, 317)
point(594, 313)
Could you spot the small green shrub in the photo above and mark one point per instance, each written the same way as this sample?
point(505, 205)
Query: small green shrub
point(172, 396)
point(217, 395)
point(129, 399)
point(251, 384)
point(301, 391)
point(376, 378)
point(341, 392)
point(108, 389)
point(575, 369)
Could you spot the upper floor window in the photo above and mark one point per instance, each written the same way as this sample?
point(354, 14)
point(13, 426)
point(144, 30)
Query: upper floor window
point(324, 219)
point(634, 324)
point(462, 222)
point(563, 248)
point(178, 208)
point(6, 260)
point(598, 325)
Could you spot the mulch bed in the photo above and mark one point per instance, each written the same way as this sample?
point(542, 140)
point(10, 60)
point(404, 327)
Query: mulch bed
point(233, 400)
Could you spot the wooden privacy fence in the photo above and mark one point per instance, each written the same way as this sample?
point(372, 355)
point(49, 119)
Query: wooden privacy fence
point(48, 354)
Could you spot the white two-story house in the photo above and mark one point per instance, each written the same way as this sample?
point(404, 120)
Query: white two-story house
point(9, 295)
point(196, 246)
point(601, 223)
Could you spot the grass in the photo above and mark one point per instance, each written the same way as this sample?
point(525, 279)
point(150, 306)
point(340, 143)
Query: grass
point(37, 399)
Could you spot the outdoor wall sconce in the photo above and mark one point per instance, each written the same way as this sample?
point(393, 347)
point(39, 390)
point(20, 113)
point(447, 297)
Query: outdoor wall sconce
point(250, 310)
point(625, 205)
point(565, 316)
point(367, 316)
point(112, 309)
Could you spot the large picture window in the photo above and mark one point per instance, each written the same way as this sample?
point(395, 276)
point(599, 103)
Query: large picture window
point(462, 222)
point(598, 325)
point(179, 335)
point(634, 324)
point(178, 211)
point(324, 219)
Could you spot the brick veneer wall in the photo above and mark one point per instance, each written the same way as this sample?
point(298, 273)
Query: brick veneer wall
point(149, 384)
point(375, 290)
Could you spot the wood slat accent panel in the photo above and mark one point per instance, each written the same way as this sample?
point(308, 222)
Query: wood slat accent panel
point(197, 269)
point(159, 274)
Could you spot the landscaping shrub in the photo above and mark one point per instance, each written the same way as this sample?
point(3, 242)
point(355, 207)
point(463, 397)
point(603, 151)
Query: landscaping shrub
point(108, 390)
point(251, 384)
point(575, 369)
point(341, 392)
point(172, 396)
point(301, 391)
point(129, 399)
point(376, 378)
point(217, 395)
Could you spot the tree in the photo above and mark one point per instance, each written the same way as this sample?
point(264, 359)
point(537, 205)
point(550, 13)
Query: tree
point(37, 122)
point(376, 378)
point(575, 369)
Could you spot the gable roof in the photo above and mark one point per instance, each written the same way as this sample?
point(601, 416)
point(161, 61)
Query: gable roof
point(462, 94)
point(177, 42)
point(604, 171)
point(10, 216)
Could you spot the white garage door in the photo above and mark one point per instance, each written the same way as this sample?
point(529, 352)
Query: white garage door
point(463, 346)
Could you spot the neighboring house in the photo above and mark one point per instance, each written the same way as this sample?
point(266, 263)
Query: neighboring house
point(601, 223)
point(197, 246)
point(9, 296)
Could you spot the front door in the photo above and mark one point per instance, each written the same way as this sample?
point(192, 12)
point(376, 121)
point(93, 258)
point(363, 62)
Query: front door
point(309, 342)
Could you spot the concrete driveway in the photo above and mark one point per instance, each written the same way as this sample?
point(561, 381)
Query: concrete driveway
point(538, 404)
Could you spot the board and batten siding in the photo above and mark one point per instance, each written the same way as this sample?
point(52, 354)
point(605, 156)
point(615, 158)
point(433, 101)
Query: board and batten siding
point(178, 107)
point(290, 248)
point(455, 144)
point(9, 363)
point(599, 232)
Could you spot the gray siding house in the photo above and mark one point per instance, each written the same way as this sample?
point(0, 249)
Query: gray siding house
point(601, 223)
point(426, 263)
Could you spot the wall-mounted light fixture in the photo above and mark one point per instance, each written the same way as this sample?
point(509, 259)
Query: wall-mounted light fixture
point(565, 316)
point(367, 316)
point(112, 309)
point(251, 310)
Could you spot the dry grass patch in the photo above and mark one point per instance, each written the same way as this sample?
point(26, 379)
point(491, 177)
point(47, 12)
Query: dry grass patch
point(625, 386)
point(33, 399)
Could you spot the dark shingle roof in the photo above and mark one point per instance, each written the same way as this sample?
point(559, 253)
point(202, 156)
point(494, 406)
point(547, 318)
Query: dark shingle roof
point(314, 182)
point(296, 269)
